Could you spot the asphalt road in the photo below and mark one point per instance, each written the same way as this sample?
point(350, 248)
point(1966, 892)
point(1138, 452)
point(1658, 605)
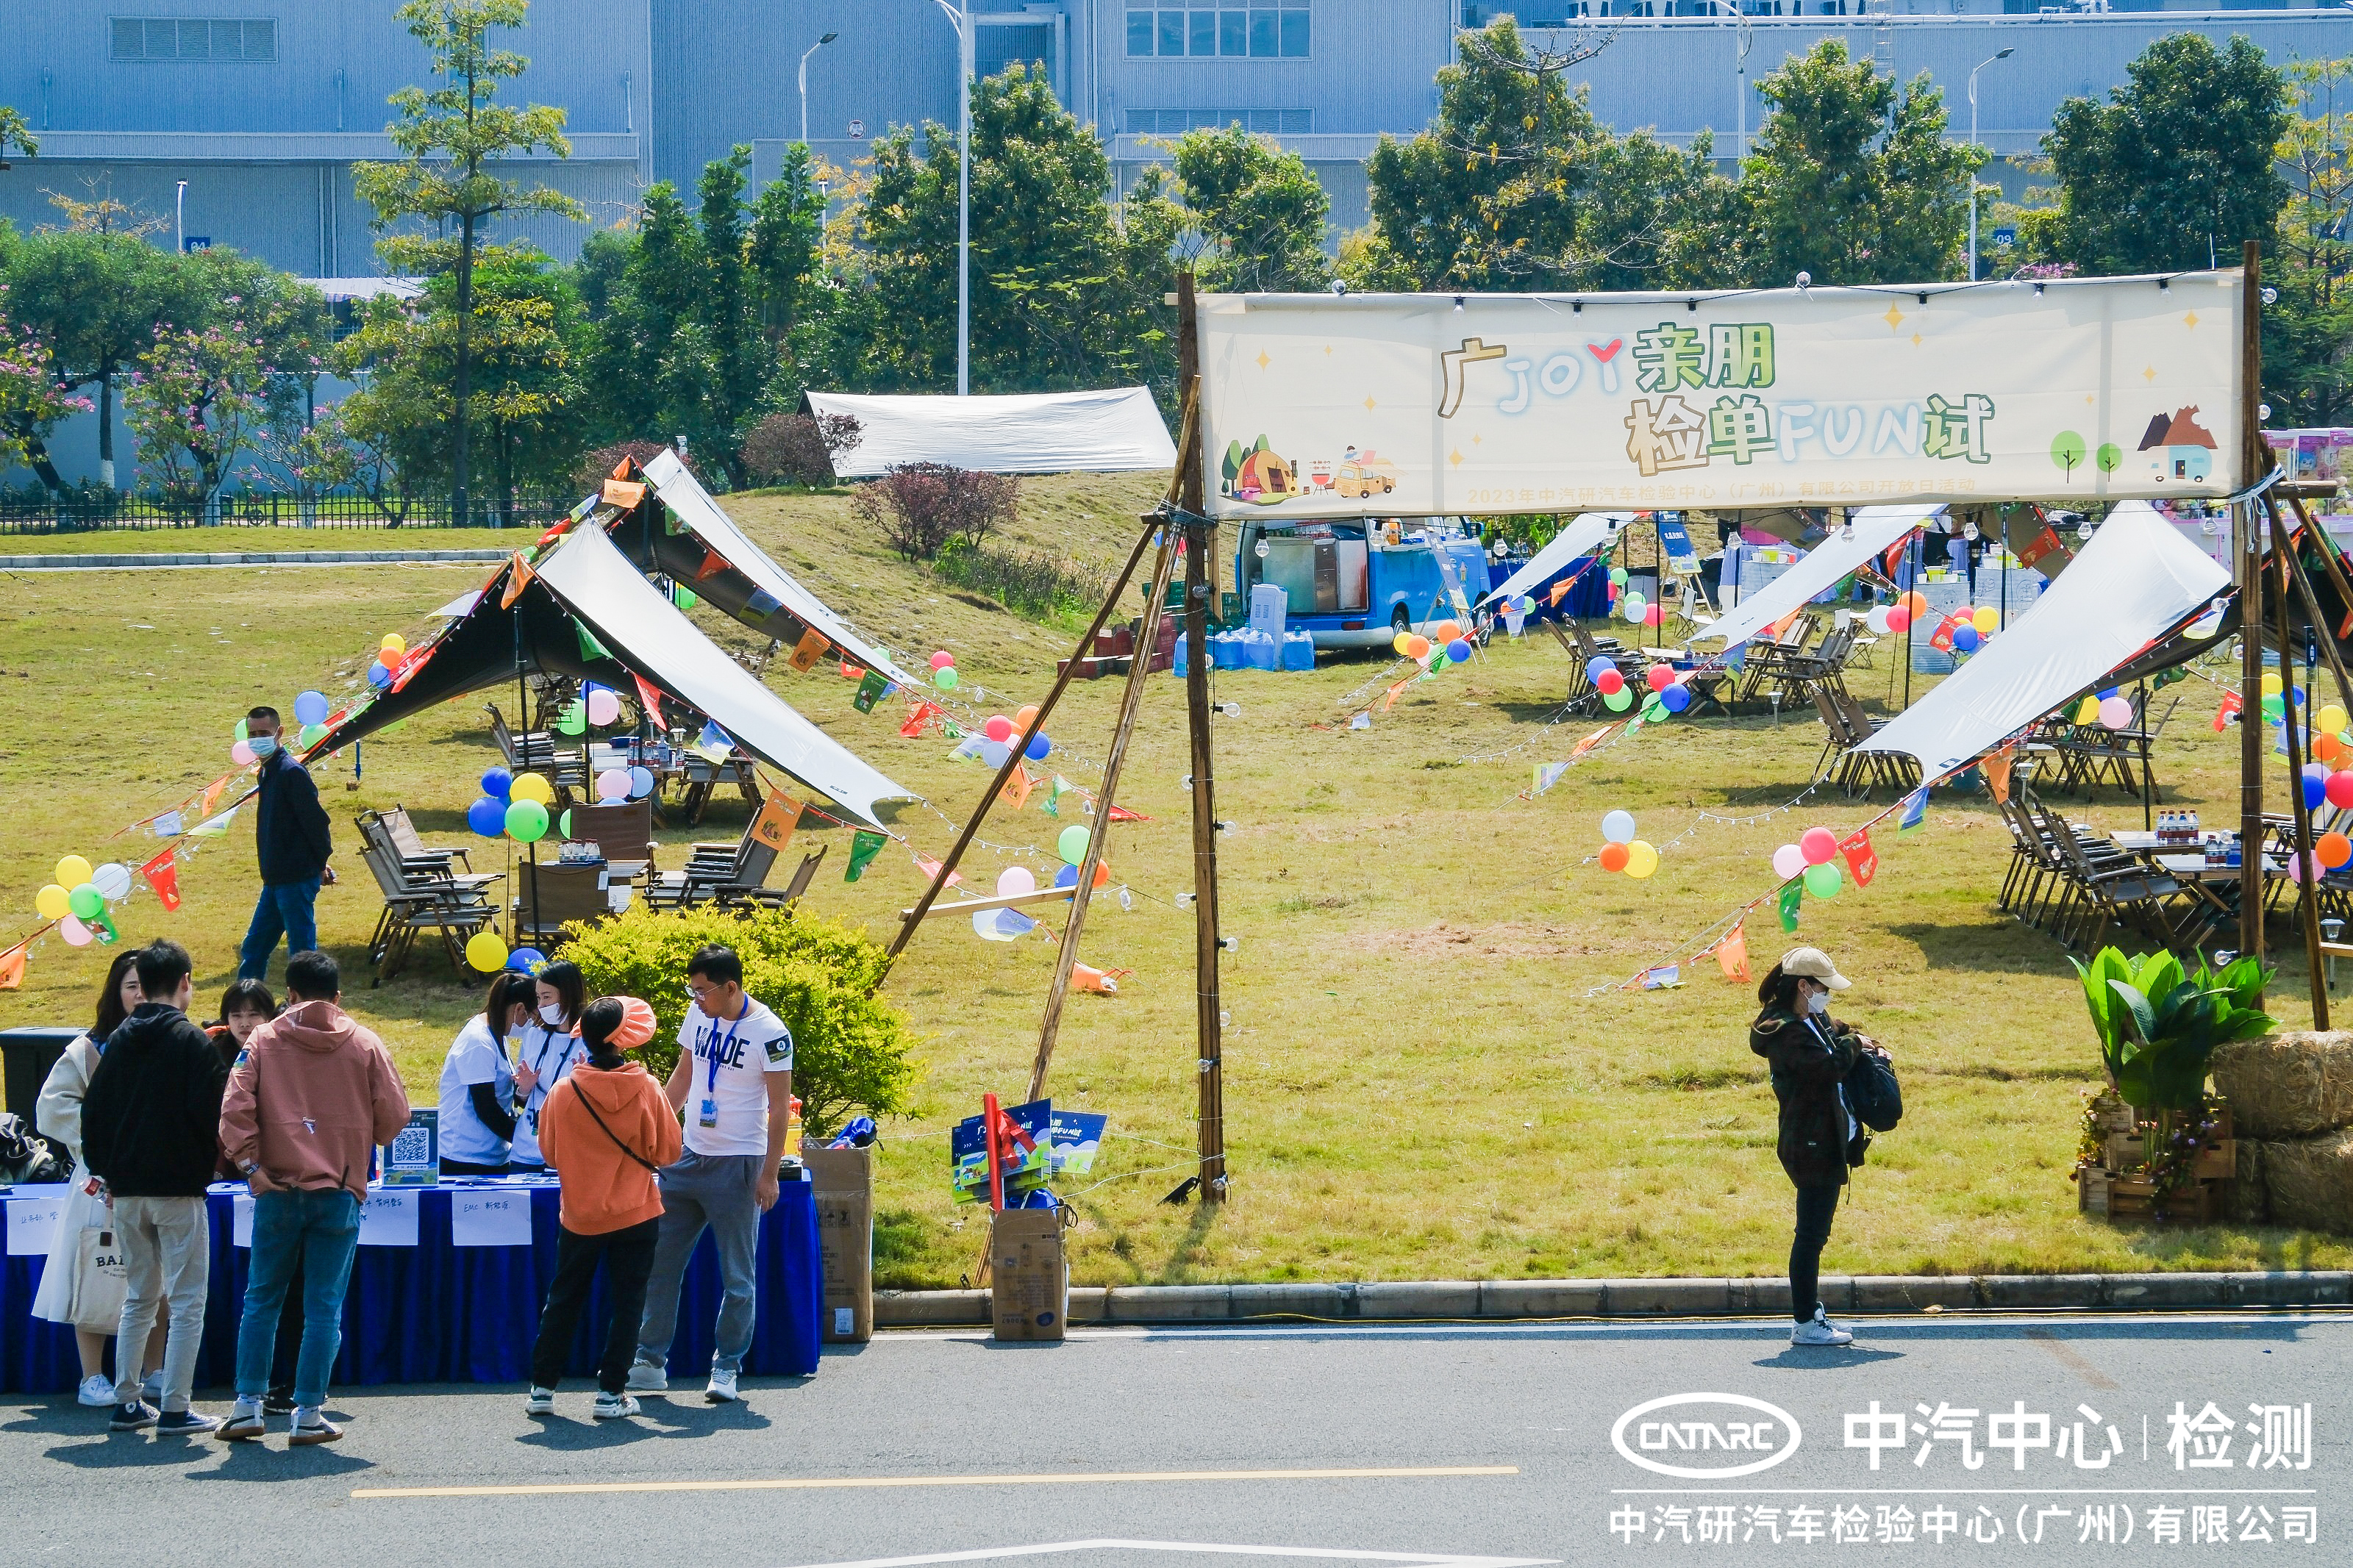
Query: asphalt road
point(1489, 1445)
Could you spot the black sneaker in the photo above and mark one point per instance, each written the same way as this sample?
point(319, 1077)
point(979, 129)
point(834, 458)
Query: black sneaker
point(134, 1417)
point(278, 1401)
point(185, 1424)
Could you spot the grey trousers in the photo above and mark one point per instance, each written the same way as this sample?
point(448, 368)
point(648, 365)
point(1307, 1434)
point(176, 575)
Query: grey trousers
point(717, 1191)
point(167, 1249)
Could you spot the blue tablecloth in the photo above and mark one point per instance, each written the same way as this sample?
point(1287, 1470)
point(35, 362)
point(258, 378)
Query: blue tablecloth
point(436, 1312)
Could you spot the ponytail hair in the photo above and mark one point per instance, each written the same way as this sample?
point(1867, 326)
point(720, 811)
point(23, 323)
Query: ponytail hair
point(1777, 989)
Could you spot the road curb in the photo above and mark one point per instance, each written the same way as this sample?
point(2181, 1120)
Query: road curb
point(1503, 1300)
point(248, 558)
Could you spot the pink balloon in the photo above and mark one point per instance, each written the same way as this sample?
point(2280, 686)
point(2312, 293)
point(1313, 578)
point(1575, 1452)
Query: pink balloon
point(241, 754)
point(604, 707)
point(76, 933)
point(1652, 616)
point(998, 729)
point(1789, 861)
point(2297, 868)
point(1898, 618)
point(942, 659)
point(2116, 713)
point(1817, 845)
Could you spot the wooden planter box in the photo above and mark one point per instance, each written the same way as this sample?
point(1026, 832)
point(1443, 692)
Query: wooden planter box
point(2102, 1192)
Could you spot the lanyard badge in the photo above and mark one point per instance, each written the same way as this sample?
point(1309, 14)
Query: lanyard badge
point(719, 1049)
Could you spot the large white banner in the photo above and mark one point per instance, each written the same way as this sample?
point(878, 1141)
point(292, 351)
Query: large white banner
point(1390, 405)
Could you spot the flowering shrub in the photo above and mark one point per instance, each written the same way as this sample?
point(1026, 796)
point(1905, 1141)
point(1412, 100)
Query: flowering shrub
point(196, 402)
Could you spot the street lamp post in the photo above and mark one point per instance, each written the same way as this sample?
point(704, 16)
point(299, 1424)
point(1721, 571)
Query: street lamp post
point(962, 19)
point(1999, 55)
point(180, 218)
point(805, 55)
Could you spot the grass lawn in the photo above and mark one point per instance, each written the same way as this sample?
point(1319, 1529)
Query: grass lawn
point(259, 539)
point(1420, 1080)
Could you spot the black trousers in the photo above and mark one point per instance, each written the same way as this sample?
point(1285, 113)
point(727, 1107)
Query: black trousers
point(628, 1258)
point(1816, 1205)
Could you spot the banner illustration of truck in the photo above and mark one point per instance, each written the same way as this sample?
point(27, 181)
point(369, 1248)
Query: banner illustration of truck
point(1359, 406)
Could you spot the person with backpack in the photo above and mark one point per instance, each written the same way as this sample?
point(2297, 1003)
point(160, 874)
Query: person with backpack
point(1812, 1056)
point(606, 1129)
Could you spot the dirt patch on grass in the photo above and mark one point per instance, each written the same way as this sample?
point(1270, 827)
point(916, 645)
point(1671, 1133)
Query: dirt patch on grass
point(1510, 939)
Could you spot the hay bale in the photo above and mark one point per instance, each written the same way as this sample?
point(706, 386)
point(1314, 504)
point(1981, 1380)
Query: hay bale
point(2308, 1181)
point(2244, 1201)
point(2293, 1084)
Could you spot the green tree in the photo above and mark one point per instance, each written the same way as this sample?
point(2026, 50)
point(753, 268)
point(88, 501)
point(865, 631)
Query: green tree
point(32, 401)
point(453, 137)
point(1260, 208)
point(194, 404)
point(785, 248)
point(97, 299)
point(2309, 333)
point(2174, 170)
point(1066, 289)
point(15, 132)
point(1852, 180)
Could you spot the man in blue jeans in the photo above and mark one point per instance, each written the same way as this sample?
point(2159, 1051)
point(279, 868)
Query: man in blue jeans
point(292, 835)
point(310, 1098)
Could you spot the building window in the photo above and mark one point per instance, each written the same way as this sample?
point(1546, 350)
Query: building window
point(1259, 121)
point(180, 38)
point(1260, 29)
point(996, 47)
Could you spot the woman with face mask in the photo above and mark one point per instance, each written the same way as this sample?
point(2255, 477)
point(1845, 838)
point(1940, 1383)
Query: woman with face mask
point(1811, 1054)
point(547, 1050)
point(478, 1116)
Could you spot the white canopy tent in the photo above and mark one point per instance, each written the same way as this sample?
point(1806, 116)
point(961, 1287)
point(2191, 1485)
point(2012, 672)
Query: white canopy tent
point(1873, 530)
point(1584, 535)
point(2134, 582)
point(1115, 431)
point(677, 487)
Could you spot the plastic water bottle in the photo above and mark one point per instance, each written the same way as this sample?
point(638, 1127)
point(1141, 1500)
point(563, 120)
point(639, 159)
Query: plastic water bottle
point(1177, 668)
point(1260, 650)
point(1299, 651)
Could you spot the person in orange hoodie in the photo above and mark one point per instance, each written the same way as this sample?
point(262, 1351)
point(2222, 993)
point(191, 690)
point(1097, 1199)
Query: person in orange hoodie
point(606, 1128)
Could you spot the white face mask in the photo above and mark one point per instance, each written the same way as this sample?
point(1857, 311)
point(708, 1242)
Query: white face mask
point(551, 1014)
point(1818, 1002)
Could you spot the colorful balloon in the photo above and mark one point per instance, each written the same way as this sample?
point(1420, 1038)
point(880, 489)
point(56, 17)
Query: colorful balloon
point(1071, 844)
point(1641, 859)
point(485, 952)
point(311, 708)
point(1024, 717)
point(1611, 681)
point(2333, 849)
point(945, 677)
point(1403, 644)
point(1899, 620)
point(488, 816)
point(641, 783)
point(2331, 719)
point(241, 753)
point(1822, 881)
point(1817, 845)
point(1965, 639)
point(1618, 828)
point(112, 881)
point(378, 675)
point(1789, 861)
point(1617, 700)
point(1675, 698)
point(998, 728)
point(1614, 857)
point(73, 871)
point(604, 706)
point(943, 659)
point(76, 933)
point(2116, 713)
point(52, 903)
point(394, 646)
point(1877, 620)
point(86, 902)
point(613, 785)
point(1596, 666)
point(1658, 677)
point(1987, 619)
point(1016, 879)
point(526, 960)
point(2338, 790)
point(526, 821)
point(1459, 650)
point(1038, 748)
point(1447, 631)
point(497, 781)
point(1416, 646)
point(532, 787)
point(1652, 616)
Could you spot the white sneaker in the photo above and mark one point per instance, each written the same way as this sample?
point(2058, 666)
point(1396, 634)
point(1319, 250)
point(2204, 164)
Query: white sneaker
point(645, 1377)
point(542, 1402)
point(1820, 1331)
point(614, 1407)
point(722, 1390)
point(97, 1392)
point(152, 1388)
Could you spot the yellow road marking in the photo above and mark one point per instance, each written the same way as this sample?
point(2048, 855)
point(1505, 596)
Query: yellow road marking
point(798, 1483)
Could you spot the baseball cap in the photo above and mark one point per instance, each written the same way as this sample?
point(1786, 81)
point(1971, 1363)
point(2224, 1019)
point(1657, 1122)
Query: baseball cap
point(1814, 964)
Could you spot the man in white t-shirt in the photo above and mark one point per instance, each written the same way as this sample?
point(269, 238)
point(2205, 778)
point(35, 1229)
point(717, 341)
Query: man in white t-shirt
point(734, 1083)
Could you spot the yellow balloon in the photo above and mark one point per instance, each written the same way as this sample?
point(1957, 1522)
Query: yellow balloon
point(73, 871)
point(2089, 712)
point(531, 787)
point(1987, 620)
point(394, 644)
point(1641, 859)
point(2332, 719)
point(485, 952)
point(52, 902)
point(2271, 685)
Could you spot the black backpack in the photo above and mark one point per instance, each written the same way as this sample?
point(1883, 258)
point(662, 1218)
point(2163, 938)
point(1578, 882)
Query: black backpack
point(1873, 1093)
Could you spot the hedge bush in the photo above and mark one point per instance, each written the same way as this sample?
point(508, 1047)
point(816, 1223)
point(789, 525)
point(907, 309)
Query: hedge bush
point(852, 1050)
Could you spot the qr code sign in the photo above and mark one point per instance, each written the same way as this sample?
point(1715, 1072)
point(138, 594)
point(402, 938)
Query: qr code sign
point(410, 1146)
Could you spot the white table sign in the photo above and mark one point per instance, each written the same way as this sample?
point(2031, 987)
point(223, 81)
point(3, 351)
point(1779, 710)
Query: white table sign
point(241, 1222)
point(388, 1218)
point(489, 1217)
point(32, 1225)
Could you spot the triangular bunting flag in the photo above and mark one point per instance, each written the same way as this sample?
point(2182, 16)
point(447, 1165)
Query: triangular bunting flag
point(1018, 786)
point(162, 874)
point(212, 796)
point(931, 870)
point(1915, 810)
point(1559, 592)
point(864, 845)
point(1055, 791)
point(1861, 858)
point(1120, 814)
point(1732, 953)
point(1548, 774)
point(1363, 720)
point(167, 825)
point(589, 647)
point(712, 564)
point(648, 695)
point(870, 691)
point(1995, 768)
point(215, 826)
point(1790, 897)
point(518, 579)
point(12, 966)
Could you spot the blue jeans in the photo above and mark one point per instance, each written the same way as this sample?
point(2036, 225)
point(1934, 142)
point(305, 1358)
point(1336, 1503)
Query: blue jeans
point(718, 1192)
point(321, 1229)
point(284, 910)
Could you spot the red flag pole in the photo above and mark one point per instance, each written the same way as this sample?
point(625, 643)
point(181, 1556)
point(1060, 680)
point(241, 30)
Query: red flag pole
point(989, 1116)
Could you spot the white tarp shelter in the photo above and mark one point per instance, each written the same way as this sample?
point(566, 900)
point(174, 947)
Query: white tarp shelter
point(1874, 529)
point(2134, 582)
point(677, 487)
point(1583, 536)
point(1112, 431)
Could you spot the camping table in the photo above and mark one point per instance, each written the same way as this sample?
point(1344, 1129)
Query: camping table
point(438, 1312)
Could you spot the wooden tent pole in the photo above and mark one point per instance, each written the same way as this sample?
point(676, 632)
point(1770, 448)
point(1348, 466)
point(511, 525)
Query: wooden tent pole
point(2306, 883)
point(2247, 542)
point(1201, 540)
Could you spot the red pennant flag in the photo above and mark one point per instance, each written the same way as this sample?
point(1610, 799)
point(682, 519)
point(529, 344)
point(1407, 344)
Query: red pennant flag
point(1732, 953)
point(518, 579)
point(12, 966)
point(931, 870)
point(1862, 861)
point(919, 715)
point(162, 874)
point(851, 672)
point(1120, 814)
point(651, 697)
point(2231, 703)
point(712, 564)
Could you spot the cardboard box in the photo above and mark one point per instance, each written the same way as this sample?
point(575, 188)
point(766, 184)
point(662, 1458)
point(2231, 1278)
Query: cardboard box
point(1029, 1276)
point(844, 1183)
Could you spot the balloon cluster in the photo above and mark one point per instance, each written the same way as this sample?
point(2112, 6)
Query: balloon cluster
point(599, 706)
point(2108, 707)
point(1630, 602)
point(1610, 682)
point(1447, 645)
point(311, 711)
point(487, 953)
point(1622, 851)
point(388, 655)
point(943, 670)
point(1966, 629)
point(512, 804)
point(1814, 857)
point(77, 899)
point(997, 735)
point(2279, 697)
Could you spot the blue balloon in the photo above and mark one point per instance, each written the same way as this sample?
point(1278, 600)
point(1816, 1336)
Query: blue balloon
point(2314, 792)
point(1596, 667)
point(1038, 749)
point(641, 783)
point(525, 960)
point(497, 781)
point(1068, 876)
point(488, 816)
point(311, 708)
point(379, 676)
point(1675, 698)
point(1459, 650)
point(1966, 639)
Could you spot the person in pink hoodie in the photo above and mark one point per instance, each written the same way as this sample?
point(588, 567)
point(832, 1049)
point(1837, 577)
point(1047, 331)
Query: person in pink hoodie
point(310, 1098)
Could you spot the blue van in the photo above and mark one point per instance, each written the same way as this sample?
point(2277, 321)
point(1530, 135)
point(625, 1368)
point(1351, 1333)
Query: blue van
point(1355, 583)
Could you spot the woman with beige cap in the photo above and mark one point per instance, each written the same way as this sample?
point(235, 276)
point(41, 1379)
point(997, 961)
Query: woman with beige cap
point(1811, 1054)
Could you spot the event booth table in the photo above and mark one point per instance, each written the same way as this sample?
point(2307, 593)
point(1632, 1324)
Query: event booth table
point(445, 1289)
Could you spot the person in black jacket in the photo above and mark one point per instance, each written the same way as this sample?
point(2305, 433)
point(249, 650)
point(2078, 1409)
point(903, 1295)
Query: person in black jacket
point(1811, 1054)
point(292, 835)
point(150, 1130)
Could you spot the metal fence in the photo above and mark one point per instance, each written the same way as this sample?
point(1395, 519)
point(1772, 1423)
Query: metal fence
point(91, 511)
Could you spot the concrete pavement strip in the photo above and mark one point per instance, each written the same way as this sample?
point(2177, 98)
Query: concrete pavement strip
point(1505, 1299)
point(250, 558)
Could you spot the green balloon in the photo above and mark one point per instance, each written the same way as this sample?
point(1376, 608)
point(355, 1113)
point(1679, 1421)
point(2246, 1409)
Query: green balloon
point(563, 823)
point(526, 821)
point(1072, 844)
point(1618, 575)
point(1653, 711)
point(945, 677)
point(574, 720)
point(684, 597)
point(86, 902)
point(1618, 702)
point(1822, 880)
point(312, 735)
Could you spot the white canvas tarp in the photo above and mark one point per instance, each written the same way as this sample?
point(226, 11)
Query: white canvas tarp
point(1875, 529)
point(1428, 404)
point(677, 487)
point(2135, 581)
point(1583, 536)
point(1112, 431)
point(642, 628)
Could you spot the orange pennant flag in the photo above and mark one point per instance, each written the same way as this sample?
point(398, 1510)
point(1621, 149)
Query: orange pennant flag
point(1997, 773)
point(1559, 592)
point(1018, 786)
point(517, 580)
point(162, 874)
point(212, 796)
point(812, 647)
point(12, 966)
point(777, 820)
point(1732, 954)
point(624, 494)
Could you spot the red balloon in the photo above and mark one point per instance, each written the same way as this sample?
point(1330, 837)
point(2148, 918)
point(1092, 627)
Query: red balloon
point(1898, 618)
point(1652, 616)
point(1611, 681)
point(1614, 857)
point(2340, 790)
point(1817, 845)
point(998, 729)
point(1659, 677)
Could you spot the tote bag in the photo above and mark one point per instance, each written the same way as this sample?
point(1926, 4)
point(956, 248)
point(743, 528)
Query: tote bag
point(102, 1279)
